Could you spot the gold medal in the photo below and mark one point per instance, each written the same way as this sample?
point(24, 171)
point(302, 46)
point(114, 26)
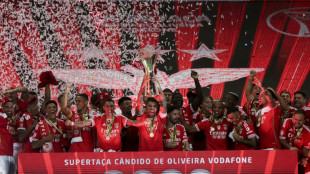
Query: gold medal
point(258, 124)
point(212, 129)
point(108, 138)
point(151, 134)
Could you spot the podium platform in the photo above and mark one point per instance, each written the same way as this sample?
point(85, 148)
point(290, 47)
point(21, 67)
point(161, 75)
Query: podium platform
point(250, 161)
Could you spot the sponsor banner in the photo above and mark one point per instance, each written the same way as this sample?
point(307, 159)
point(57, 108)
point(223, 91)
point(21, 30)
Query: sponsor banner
point(250, 161)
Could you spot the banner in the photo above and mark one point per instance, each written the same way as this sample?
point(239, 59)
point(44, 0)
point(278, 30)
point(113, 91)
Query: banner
point(251, 161)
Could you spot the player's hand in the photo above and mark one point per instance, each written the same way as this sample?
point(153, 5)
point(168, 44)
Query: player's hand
point(304, 162)
point(172, 145)
point(293, 149)
point(252, 73)
point(50, 137)
point(236, 136)
point(68, 87)
point(69, 123)
point(194, 74)
point(257, 82)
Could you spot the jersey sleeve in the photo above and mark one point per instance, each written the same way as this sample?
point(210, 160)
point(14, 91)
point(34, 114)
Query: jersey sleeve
point(203, 125)
point(284, 130)
point(250, 131)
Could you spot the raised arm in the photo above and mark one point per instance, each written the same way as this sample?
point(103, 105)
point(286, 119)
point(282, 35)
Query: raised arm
point(24, 92)
point(249, 86)
point(163, 107)
point(139, 110)
point(24, 134)
point(84, 123)
point(283, 106)
point(47, 97)
point(197, 101)
point(64, 103)
point(137, 123)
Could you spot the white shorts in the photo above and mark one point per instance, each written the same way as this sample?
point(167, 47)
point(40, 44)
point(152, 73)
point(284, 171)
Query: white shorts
point(7, 165)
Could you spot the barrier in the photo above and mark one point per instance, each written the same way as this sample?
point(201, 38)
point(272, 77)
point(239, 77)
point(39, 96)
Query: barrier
point(250, 161)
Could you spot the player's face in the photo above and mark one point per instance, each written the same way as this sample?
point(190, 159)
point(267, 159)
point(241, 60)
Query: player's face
point(126, 106)
point(263, 98)
point(151, 108)
point(34, 109)
point(299, 101)
point(177, 100)
point(298, 120)
point(51, 110)
point(174, 116)
point(286, 97)
point(81, 103)
point(109, 107)
point(206, 104)
point(218, 109)
point(256, 91)
point(229, 100)
point(8, 108)
point(235, 118)
point(168, 96)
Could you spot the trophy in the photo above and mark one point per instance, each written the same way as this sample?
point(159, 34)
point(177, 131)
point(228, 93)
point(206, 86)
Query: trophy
point(148, 59)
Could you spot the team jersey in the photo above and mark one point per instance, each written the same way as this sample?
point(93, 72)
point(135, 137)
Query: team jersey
point(43, 129)
point(109, 140)
point(179, 136)
point(246, 131)
point(251, 108)
point(149, 141)
point(23, 123)
point(299, 138)
point(7, 132)
point(269, 127)
point(216, 133)
point(82, 138)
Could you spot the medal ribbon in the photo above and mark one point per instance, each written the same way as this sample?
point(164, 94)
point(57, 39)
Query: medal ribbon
point(54, 126)
point(220, 121)
point(238, 128)
point(174, 133)
point(85, 116)
point(109, 126)
point(152, 126)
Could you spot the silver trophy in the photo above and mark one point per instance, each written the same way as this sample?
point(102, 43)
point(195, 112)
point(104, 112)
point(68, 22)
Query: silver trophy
point(148, 60)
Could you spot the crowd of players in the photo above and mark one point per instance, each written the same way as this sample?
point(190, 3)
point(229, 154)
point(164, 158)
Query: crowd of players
point(268, 121)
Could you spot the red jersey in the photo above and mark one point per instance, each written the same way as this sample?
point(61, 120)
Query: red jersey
point(82, 138)
point(23, 123)
point(269, 128)
point(43, 129)
point(217, 136)
point(147, 142)
point(7, 132)
point(307, 111)
point(299, 140)
point(246, 131)
point(109, 140)
point(251, 108)
point(180, 136)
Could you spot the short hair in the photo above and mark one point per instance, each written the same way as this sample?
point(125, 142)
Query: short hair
point(121, 100)
point(83, 95)
point(168, 90)
point(300, 111)
point(152, 99)
point(51, 101)
point(94, 99)
point(171, 108)
point(285, 91)
point(301, 93)
point(272, 94)
point(234, 109)
point(108, 100)
point(176, 93)
point(235, 96)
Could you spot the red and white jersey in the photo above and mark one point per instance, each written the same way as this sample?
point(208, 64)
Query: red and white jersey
point(269, 128)
point(289, 133)
point(23, 123)
point(187, 114)
point(7, 132)
point(217, 138)
point(82, 138)
point(43, 129)
point(110, 141)
point(180, 137)
point(251, 108)
point(246, 131)
point(155, 143)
